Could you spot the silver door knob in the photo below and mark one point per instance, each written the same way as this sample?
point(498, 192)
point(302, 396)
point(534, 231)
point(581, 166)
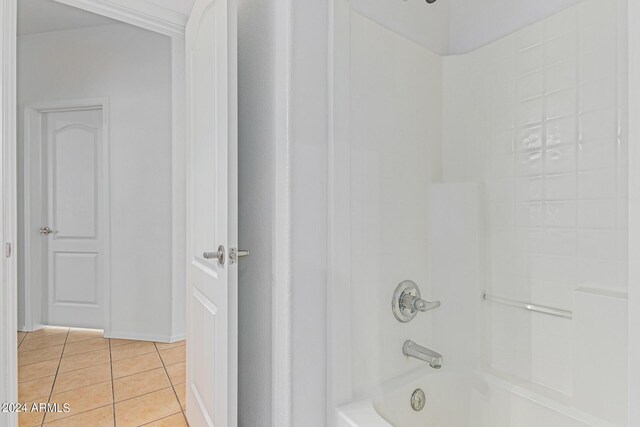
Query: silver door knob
point(46, 230)
point(219, 255)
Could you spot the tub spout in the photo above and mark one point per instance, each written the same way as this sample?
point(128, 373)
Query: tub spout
point(412, 349)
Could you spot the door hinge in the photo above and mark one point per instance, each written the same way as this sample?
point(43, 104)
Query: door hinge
point(7, 250)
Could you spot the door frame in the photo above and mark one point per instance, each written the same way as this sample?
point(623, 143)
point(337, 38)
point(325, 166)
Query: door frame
point(140, 14)
point(151, 17)
point(33, 112)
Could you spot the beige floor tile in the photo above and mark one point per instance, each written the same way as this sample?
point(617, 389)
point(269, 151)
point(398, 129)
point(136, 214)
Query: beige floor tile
point(146, 408)
point(81, 400)
point(44, 342)
point(101, 417)
point(29, 418)
point(176, 420)
point(173, 355)
point(139, 384)
point(131, 350)
point(77, 335)
point(46, 332)
point(30, 390)
point(166, 345)
point(37, 370)
point(177, 373)
point(82, 378)
point(134, 365)
point(86, 346)
point(84, 360)
point(20, 337)
point(116, 342)
point(40, 355)
point(181, 392)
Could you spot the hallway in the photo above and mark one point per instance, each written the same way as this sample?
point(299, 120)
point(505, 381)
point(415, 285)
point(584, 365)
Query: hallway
point(106, 382)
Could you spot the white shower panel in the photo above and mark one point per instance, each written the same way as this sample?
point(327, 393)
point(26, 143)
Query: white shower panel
point(545, 108)
point(394, 154)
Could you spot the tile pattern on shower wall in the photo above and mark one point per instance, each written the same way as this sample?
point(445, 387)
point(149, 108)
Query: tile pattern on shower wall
point(555, 169)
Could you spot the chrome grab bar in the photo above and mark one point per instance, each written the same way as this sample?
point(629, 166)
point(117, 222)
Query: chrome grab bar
point(528, 306)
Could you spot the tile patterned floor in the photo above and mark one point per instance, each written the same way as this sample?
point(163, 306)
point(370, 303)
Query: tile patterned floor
point(107, 382)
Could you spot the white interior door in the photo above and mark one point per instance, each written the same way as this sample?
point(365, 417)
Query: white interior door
point(73, 153)
point(212, 215)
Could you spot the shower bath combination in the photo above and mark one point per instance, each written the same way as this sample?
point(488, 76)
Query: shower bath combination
point(483, 148)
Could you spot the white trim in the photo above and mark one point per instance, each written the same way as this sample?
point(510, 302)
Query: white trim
point(178, 180)
point(281, 327)
point(139, 13)
point(9, 315)
point(34, 321)
point(339, 387)
point(147, 337)
point(633, 37)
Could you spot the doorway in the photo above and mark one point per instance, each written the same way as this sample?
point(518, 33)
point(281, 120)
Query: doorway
point(101, 218)
point(66, 216)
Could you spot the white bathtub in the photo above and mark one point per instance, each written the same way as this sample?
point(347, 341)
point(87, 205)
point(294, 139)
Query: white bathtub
point(464, 400)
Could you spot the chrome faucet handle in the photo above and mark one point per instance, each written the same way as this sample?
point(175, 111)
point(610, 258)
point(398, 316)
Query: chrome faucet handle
point(406, 302)
point(419, 304)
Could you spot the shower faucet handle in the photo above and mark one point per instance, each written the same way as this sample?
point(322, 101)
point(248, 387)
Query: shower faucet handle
point(406, 302)
point(410, 302)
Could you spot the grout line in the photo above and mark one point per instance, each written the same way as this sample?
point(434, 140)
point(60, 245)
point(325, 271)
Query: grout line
point(23, 338)
point(40, 348)
point(113, 392)
point(56, 376)
point(141, 372)
point(163, 418)
point(157, 351)
point(80, 413)
point(175, 393)
point(144, 394)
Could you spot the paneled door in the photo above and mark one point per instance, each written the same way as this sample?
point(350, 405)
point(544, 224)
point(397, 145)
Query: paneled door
point(212, 215)
point(72, 153)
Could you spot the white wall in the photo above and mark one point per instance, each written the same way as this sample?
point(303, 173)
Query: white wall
point(181, 6)
point(426, 24)
point(256, 195)
point(131, 67)
point(307, 117)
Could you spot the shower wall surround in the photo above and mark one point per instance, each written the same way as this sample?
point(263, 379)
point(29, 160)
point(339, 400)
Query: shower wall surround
point(395, 114)
point(501, 170)
point(538, 118)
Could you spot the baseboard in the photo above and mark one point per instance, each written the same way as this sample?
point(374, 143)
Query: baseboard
point(146, 337)
point(23, 328)
point(178, 337)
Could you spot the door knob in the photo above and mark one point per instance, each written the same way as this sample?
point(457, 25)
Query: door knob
point(46, 230)
point(219, 255)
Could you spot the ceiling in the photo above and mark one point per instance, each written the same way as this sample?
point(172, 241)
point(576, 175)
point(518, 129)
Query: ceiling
point(474, 23)
point(44, 16)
